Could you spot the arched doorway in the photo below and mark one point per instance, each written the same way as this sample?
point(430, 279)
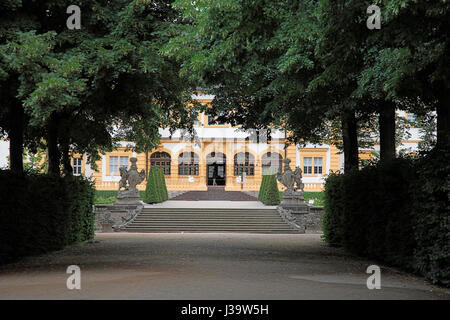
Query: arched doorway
point(216, 169)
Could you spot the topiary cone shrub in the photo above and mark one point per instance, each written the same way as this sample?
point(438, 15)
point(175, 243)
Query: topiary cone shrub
point(162, 185)
point(262, 188)
point(153, 188)
point(268, 192)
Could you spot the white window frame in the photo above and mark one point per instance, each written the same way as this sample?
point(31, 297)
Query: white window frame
point(307, 166)
point(113, 165)
point(318, 169)
point(122, 164)
point(77, 165)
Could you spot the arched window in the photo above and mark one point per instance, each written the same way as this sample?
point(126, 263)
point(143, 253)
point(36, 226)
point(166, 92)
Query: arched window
point(244, 162)
point(271, 163)
point(188, 164)
point(161, 160)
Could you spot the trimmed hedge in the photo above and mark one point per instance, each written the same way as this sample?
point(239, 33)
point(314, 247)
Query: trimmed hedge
point(268, 191)
point(396, 212)
point(156, 190)
point(41, 213)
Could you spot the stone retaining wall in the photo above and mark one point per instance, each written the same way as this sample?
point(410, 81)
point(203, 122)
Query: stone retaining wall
point(312, 221)
point(305, 223)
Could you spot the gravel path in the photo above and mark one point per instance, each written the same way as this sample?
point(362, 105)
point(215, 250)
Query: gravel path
point(206, 266)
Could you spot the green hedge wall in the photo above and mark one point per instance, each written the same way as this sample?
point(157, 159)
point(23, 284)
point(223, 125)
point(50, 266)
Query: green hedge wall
point(268, 191)
point(41, 213)
point(396, 212)
point(156, 190)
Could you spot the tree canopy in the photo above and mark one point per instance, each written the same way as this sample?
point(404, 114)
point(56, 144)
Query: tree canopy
point(308, 64)
point(85, 89)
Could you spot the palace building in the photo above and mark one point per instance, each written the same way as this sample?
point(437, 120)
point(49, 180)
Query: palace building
point(219, 156)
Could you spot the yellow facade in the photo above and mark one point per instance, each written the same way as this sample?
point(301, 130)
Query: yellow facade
point(107, 176)
point(176, 181)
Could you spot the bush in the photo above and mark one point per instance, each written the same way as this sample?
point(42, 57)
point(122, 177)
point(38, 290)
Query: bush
point(431, 209)
point(268, 192)
point(41, 213)
point(262, 187)
point(396, 212)
point(156, 190)
point(162, 185)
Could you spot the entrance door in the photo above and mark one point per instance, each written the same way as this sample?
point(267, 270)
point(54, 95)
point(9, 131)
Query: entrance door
point(216, 174)
point(215, 169)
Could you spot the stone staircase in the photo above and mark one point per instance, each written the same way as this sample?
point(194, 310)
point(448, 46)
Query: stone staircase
point(209, 220)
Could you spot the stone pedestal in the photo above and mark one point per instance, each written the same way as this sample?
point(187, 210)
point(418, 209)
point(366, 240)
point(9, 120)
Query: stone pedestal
point(128, 197)
point(294, 202)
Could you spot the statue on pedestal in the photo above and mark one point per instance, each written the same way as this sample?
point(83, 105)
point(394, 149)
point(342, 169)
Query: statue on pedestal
point(128, 181)
point(293, 200)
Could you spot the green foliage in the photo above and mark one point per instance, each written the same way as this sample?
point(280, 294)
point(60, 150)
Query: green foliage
point(162, 185)
point(108, 76)
point(369, 212)
point(431, 209)
point(104, 200)
point(268, 191)
point(256, 57)
point(106, 193)
point(262, 187)
point(396, 212)
point(156, 190)
point(110, 196)
point(40, 213)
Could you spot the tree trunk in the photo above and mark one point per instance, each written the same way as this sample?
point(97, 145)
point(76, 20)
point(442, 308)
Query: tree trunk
point(443, 122)
point(146, 165)
point(67, 165)
point(350, 140)
point(15, 136)
point(387, 131)
point(54, 155)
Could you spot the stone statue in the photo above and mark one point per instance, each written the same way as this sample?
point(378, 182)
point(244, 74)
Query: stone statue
point(293, 200)
point(134, 177)
point(298, 179)
point(123, 178)
point(289, 178)
point(128, 181)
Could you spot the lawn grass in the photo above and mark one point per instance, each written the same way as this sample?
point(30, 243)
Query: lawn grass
point(108, 196)
point(318, 197)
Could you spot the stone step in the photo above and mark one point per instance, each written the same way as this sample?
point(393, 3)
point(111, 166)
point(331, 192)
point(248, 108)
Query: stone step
point(186, 224)
point(212, 231)
point(212, 216)
point(209, 220)
point(200, 228)
point(252, 220)
point(210, 211)
point(208, 227)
